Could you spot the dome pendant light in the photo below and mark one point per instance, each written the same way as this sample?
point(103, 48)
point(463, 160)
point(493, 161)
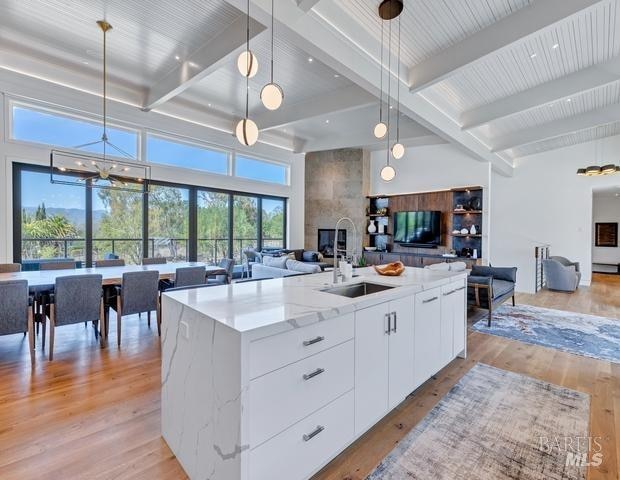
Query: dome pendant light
point(247, 130)
point(247, 62)
point(381, 128)
point(398, 149)
point(388, 172)
point(272, 95)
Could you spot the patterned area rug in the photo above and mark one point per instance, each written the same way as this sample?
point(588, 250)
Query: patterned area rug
point(493, 425)
point(587, 335)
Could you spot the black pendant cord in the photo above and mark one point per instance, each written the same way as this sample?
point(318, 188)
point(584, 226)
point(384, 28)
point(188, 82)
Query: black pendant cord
point(389, 90)
point(381, 78)
point(248, 56)
point(398, 94)
point(271, 41)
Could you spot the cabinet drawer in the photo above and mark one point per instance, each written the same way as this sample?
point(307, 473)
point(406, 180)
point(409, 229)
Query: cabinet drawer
point(281, 398)
point(301, 450)
point(271, 353)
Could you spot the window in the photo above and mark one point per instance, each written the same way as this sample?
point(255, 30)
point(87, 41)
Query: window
point(273, 222)
point(213, 234)
point(261, 170)
point(245, 225)
point(168, 152)
point(53, 220)
point(169, 223)
point(43, 126)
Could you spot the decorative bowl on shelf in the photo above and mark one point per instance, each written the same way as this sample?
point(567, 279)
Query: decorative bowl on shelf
point(370, 249)
point(391, 269)
point(464, 231)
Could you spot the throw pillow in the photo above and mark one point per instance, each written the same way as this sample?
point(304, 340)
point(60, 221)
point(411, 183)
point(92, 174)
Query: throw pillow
point(277, 262)
point(311, 256)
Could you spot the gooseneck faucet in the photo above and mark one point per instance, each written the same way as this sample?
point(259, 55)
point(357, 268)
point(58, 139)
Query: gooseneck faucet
point(337, 273)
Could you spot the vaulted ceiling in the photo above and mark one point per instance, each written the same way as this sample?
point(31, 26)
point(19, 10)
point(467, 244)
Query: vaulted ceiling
point(500, 78)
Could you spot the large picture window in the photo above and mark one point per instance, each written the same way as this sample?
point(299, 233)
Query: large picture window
point(261, 170)
point(169, 223)
point(179, 154)
point(213, 226)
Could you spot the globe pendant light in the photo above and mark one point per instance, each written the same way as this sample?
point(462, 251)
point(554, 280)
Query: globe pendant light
point(398, 149)
point(272, 95)
point(247, 130)
point(381, 128)
point(388, 172)
point(247, 62)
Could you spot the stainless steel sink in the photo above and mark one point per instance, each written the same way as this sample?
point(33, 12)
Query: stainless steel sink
point(357, 290)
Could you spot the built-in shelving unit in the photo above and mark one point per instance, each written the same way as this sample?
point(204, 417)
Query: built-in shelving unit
point(467, 212)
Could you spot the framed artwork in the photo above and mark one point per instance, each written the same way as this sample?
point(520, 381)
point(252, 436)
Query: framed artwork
point(606, 234)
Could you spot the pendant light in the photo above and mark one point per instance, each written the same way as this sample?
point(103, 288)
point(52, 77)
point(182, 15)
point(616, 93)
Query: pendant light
point(398, 150)
point(272, 95)
point(247, 130)
point(387, 172)
point(247, 62)
point(598, 170)
point(381, 128)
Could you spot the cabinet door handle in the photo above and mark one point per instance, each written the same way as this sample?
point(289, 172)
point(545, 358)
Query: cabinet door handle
point(389, 323)
point(318, 339)
point(313, 433)
point(394, 329)
point(429, 300)
point(459, 289)
point(449, 293)
point(318, 371)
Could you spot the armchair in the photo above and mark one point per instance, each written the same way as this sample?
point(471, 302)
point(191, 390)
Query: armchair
point(489, 287)
point(561, 274)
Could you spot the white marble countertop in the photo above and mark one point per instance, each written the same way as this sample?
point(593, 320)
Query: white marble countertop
point(272, 306)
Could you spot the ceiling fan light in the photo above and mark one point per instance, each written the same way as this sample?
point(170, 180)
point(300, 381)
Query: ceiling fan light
point(388, 173)
point(608, 169)
point(247, 63)
point(593, 170)
point(380, 130)
point(272, 96)
point(247, 132)
point(398, 150)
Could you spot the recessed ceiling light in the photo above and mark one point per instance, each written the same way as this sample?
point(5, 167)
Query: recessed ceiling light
point(336, 75)
point(556, 46)
point(310, 59)
point(569, 100)
point(84, 62)
point(193, 65)
point(177, 58)
point(208, 104)
point(533, 55)
point(326, 121)
point(391, 107)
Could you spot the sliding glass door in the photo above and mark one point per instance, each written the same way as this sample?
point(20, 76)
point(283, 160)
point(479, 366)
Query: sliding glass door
point(273, 222)
point(245, 225)
point(168, 218)
point(213, 226)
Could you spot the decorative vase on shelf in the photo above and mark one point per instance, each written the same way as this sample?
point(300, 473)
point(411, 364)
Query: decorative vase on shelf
point(473, 230)
point(372, 228)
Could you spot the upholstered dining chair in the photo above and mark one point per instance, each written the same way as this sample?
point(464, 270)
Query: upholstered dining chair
point(76, 299)
point(10, 267)
point(189, 276)
point(138, 292)
point(68, 265)
point(16, 316)
point(227, 264)
point(154, 261)
point(113, 262)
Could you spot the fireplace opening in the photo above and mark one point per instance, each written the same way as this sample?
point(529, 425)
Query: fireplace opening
point(325, 241)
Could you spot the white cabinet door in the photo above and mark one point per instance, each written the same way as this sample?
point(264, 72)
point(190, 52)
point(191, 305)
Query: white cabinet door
point(371, 366)
point(427, 335)
point(460, 318)
point(401, 350)
point(447, 323)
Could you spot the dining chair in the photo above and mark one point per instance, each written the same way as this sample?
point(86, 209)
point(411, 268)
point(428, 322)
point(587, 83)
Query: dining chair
point(16, 316)
point(189, 276)
point(154, 261)
point(227, 264)
point(57, 265)
point(138, 292)
point(116, 262)
point(10, 267)
point(76, 299)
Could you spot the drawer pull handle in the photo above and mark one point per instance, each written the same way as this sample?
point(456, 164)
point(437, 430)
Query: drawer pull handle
point(318, 371)
point(307, 343)
point(314, 433)
point(429, 300)
point(449, 293)
point(459, 289)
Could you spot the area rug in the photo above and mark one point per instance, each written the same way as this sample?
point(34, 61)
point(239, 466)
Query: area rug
point(493, 425)
point(587, 335)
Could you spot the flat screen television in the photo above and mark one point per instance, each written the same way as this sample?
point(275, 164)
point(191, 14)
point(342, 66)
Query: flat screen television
point(418, 228)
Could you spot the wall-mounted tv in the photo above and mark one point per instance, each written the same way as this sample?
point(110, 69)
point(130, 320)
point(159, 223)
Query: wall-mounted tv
point(422, 229)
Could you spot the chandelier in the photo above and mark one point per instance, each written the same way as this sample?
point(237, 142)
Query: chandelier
point(598, 170)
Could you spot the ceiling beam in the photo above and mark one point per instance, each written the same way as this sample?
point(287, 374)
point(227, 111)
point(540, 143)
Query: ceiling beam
point(208, 58)
point(340, 100)
point(591, 119)
point(546, 93)
point(361, 140)
point(510, 29)
point(306, 5)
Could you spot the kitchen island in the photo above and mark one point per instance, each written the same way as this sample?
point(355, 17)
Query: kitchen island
point(271, 380)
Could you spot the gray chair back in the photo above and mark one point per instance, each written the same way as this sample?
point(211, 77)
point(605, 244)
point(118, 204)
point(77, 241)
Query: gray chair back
point(154, 261)
point(139, 291)
point(189, 276)
point(252, 255)
point(560, 277)
point(227, 264)
point(116, 262)
point(10, 267)
point(64, 265)
point(77, 298)
point(13, 307)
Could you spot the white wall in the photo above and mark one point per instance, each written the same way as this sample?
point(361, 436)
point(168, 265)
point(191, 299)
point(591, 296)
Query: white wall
point(605, 208)
point(17, 86)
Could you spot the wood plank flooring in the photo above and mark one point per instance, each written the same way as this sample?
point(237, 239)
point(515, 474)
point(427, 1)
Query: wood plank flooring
point(93, 413)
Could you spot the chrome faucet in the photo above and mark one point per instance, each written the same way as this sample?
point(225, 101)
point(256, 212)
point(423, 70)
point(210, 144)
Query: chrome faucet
point(337, 273)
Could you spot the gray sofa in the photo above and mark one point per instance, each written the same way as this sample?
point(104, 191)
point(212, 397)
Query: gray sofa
point(562, 275)
point(277, 267)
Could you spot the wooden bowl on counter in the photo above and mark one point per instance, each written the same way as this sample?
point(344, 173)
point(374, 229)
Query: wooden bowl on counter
point(391, 269)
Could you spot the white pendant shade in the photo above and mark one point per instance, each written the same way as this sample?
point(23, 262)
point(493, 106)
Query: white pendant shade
point(272, 95)
point(247, 132)
point(388, 173)
point(380, 130)
point(398, 150)
point(247, 64)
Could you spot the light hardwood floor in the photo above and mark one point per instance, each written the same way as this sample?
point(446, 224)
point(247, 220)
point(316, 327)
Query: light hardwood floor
point(93, 413)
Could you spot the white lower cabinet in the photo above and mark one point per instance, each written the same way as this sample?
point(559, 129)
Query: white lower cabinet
point(427, 336)
point(383, 359)
point(453, 320)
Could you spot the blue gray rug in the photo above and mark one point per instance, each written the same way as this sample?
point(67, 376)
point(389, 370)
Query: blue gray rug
point(586, 335)
point(493, 425)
